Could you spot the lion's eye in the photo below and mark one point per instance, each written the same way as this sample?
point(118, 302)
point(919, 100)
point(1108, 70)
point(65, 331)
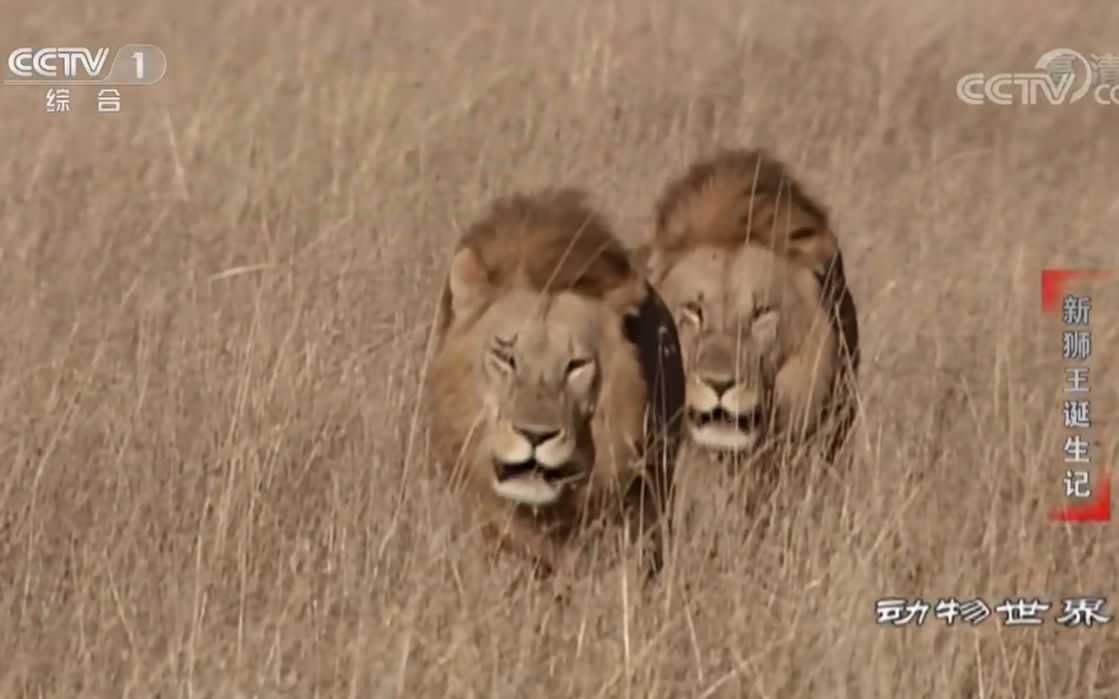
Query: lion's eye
point(502, 354)
point(693, 312)
point(802, 233)
point(576, 364)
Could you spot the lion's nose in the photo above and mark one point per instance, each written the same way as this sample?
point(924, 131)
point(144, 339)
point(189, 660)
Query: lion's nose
point(537, 434)
point(720, 385)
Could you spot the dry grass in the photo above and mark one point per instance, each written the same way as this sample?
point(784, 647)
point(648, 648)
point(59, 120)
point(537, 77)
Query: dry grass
point(214, 309)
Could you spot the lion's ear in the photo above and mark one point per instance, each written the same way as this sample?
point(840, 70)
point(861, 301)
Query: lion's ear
point(468, 282)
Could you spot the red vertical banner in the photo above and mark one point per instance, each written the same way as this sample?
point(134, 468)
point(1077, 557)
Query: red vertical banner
point(1098, 506)
point(1098, 510)
point(1053, 283)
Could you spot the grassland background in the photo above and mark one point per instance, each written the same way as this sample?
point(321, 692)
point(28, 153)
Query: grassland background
point(215, 306)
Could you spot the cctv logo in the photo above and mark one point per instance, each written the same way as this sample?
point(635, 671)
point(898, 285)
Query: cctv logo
point(1055, 77)
point(56, 62)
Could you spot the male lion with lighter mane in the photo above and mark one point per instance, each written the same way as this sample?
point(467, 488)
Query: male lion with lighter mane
point(753, 274)
point(557, 386)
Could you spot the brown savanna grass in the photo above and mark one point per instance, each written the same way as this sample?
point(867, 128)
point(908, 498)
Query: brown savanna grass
point(215, 310)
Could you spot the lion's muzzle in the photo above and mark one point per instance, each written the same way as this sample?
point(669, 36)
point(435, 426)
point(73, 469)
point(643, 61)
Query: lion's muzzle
point(533, 464)
point(723, 414)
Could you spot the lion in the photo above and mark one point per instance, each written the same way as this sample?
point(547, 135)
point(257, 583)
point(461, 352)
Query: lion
point(753, 274)
point(556, 391)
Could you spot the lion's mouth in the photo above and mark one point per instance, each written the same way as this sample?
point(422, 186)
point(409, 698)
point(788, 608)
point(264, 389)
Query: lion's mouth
point(552, 475)
point(720, 417)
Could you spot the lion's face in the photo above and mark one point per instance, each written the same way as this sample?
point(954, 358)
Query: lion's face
point(533, 368)
point(735, 312)
point(538, 379)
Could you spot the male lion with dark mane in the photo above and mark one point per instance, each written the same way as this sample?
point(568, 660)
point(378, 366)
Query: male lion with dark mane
point(557, 386)
point(753, 274)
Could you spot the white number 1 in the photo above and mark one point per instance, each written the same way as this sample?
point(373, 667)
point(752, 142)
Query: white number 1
point(138, 56)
